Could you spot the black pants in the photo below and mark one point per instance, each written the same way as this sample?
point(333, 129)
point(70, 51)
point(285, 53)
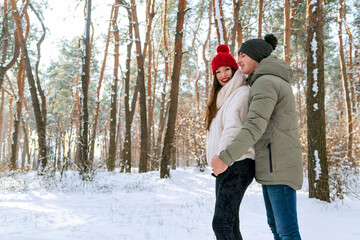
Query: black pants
point(230, 189)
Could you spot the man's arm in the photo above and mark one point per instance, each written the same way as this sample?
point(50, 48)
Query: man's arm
point(263, 100)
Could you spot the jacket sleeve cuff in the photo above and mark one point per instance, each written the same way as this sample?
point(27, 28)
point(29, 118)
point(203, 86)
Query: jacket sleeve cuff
point(226, 157)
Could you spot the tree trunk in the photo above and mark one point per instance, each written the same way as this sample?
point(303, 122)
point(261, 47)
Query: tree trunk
point(40, 125)
point(141, 80)
point(150, 13)
point(236, 5)
point(163, 112)
point(287, 31)
point(110, 163)
point(260, 17)
point(345, 83)
point(155, 158)
point(150, 98)
point(10, 130)
point(170, 131)
point(351, 68)
point(219, 22)
point(195, 75)
point(357, 70)
point(351, 80)
point(239, 35)
point(317, 159)
point(17, 117)
point(4, 66)
point(97, 102)
point(1, 119)
point(129, 112)
point(38, 85)
point(85, 166)
point(206, 61)
point(77, 113)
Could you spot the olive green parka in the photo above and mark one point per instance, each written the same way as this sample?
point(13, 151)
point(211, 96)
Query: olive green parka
point(272, 127)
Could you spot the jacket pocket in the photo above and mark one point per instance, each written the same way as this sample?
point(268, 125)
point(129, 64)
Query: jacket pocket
point(270, 158)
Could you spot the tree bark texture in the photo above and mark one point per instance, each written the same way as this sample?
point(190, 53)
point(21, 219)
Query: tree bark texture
point(85, 167)
point(129, 109)
point(40, 125)
point(206, 61)
point(150, 14)
point(287, 31)
point(236, 14)
point(163, 111)
point(110, 163)
point(175, 79)
point(3, 65)
point(2, 103)
point(345, 83)
point(142, 102)
point(38, 47)
point(315, 96)
point(98, 88)
point(17, 118)
point(260, 17)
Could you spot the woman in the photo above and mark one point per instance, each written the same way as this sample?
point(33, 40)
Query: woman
point(226, 112)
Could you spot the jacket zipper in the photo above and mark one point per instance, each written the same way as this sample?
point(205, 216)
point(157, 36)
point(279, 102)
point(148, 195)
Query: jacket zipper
point(270, 159)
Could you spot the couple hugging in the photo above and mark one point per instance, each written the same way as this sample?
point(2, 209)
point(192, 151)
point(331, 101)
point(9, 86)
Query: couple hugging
point(252, 132)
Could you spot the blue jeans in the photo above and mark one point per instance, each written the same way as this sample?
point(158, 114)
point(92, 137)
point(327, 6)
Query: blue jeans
point(280, 204)
point(230, 188)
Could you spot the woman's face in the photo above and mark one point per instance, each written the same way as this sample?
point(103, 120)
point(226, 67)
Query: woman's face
point(246, 63)
point(223, 75)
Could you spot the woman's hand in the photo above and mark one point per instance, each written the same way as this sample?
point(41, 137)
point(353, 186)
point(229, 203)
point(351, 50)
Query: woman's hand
point(218, 166)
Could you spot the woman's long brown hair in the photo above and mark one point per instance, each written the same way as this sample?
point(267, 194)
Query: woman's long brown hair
point(211, 109)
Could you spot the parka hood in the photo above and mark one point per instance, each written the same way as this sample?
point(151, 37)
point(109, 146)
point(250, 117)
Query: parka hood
point(272, 66)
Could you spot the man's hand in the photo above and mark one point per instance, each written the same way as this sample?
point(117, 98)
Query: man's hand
point(218, 165)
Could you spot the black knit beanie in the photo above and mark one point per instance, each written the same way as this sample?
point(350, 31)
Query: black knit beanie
point(258, 48)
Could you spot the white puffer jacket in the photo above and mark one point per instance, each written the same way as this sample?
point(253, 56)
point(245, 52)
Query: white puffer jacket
point(232, 103)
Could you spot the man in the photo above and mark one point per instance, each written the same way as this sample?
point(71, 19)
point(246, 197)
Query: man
point(272, 129)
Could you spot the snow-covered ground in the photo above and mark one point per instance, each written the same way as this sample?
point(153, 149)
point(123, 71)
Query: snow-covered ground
point(145, 207)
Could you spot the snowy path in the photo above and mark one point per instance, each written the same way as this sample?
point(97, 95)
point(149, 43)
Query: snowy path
point(144, 207)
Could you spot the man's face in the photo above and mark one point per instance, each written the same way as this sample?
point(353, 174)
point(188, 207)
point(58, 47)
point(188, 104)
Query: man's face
point(246, 63)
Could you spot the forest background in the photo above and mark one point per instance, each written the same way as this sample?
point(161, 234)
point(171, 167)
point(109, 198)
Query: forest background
point(130, 89)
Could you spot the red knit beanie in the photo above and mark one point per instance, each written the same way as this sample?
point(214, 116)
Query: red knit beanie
point(223, 58)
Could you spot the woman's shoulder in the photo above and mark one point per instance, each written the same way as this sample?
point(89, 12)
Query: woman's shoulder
point(242, 91)
point(238, 98)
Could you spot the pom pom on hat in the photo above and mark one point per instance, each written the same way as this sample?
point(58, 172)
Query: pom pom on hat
point(223, 58)
point(272, 40)
point(223, 48)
